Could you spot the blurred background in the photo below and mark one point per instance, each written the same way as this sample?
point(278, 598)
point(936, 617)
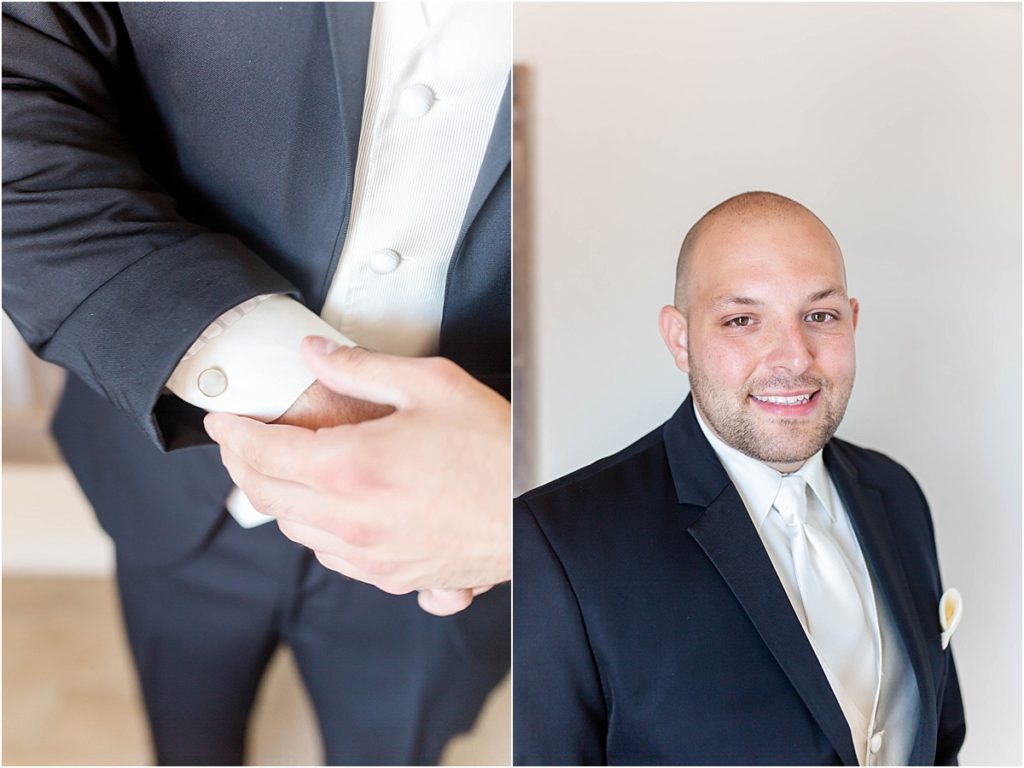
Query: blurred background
point(900, 126)
point(69, 691)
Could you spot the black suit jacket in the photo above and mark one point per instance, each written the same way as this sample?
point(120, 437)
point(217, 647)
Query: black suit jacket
point(163, 163)
point(651, 628)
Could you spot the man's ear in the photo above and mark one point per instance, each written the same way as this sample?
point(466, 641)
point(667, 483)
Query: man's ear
point(855, 312)
point(672, 324)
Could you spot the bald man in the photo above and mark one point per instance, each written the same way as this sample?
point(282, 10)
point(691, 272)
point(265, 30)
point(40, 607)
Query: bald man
point(739, 586)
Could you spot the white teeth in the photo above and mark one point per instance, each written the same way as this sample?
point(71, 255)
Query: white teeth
point(795, 400)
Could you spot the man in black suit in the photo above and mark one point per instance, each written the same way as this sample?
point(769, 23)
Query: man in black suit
point(738, 586)
point(163, 165)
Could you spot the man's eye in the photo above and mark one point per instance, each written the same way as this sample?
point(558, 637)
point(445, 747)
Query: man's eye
point(821, 317)
point(739, 322)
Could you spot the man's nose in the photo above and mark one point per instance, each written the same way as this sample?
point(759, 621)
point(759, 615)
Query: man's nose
point(790, 350)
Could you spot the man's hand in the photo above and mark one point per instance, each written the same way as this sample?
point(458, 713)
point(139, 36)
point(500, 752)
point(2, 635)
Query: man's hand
point(319, 407)
point(417, 499)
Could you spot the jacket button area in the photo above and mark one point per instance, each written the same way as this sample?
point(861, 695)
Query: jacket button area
point(212, 382)
point(384, 261)
point(416, 100)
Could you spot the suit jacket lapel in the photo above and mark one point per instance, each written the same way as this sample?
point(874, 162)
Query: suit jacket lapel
point(871, 523)
point(349, 26)
point(727, 536)
point(477, 293)
point(497, 157)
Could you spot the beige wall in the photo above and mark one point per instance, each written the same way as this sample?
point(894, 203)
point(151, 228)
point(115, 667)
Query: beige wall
point(900, 126)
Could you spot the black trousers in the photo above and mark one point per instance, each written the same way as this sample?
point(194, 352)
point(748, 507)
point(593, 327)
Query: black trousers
point(390, 683)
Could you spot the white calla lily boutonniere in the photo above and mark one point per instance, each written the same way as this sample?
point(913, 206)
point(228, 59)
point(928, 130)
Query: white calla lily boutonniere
point(951, 608)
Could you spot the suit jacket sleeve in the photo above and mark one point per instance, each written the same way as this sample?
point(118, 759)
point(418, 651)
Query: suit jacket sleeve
point(101, 274)
point(559, 715)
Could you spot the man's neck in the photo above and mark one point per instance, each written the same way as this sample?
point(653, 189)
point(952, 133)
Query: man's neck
point(782, 468)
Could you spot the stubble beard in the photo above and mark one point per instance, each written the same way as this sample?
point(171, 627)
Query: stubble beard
point(792, 440)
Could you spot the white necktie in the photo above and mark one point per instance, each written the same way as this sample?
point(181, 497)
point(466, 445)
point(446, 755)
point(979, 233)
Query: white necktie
point(836, 616)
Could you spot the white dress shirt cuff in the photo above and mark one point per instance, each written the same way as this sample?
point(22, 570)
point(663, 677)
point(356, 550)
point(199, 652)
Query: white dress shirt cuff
point(247, 361)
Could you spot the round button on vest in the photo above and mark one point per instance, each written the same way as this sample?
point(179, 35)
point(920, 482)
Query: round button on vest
point(416, 100)
point(212, 382)
point(876, 743)
point(384, 261)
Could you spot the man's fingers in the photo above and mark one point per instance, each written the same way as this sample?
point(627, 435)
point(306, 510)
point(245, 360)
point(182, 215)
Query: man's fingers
point(276, 450)
point(269, 495)
point(391, 585)
point(342, 566)
point(350, 539)
point(372, 376)
point(444, 602)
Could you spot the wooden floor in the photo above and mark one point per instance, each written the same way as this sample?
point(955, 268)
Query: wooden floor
point(70, 697)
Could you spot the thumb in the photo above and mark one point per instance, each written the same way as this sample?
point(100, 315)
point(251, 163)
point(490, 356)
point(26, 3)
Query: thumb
point(359, 373)
point(444, 602)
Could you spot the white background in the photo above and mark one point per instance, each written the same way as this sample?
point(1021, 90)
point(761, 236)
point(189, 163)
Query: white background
point(900, 126)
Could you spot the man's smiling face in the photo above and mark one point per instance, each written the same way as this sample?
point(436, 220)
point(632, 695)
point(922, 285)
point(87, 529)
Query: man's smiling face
point(767, 335)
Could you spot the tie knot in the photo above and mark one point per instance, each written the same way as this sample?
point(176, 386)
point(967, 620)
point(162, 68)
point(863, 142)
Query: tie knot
point(791, 500)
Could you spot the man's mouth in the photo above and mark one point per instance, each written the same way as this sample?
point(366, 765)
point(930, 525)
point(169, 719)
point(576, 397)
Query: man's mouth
point(792, 404)
point(785, 399)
